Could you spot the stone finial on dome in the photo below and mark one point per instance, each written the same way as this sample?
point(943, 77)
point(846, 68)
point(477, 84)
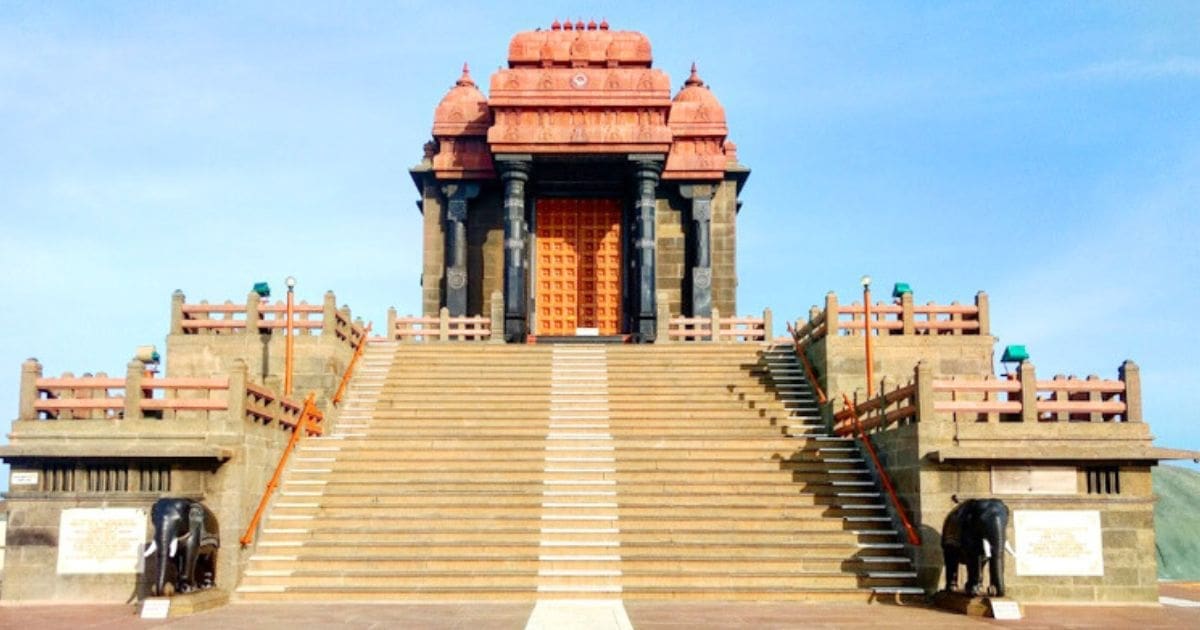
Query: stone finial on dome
point(694, 79)
point(465, 79)
point(603, 24)
point(556, 25)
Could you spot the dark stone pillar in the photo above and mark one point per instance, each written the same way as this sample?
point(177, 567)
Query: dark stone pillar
point(457, 197)
point(646, 173)
point(514, 172)
point(701, 240)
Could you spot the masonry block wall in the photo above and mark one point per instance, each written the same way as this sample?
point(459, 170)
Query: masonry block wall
point(319, 361)
point(841, 360)
point(223, 461)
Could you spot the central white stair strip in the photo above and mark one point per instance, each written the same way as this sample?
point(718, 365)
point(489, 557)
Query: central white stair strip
point(580, 533)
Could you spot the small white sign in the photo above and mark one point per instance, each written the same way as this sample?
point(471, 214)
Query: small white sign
point(1005, 610)
point(24, 478)
point(156, 608)
point(101, 540)
point(1058, 542)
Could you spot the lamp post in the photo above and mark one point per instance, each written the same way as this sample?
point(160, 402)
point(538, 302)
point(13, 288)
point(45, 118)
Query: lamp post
point(866, 285)
point(290, 348)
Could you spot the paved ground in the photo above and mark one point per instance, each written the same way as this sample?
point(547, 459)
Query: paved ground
point(643, 615)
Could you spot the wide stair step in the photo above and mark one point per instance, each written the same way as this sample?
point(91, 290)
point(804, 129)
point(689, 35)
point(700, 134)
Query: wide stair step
point(465, 471)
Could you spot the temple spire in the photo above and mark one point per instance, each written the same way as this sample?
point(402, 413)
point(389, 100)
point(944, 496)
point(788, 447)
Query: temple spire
point(465, 79)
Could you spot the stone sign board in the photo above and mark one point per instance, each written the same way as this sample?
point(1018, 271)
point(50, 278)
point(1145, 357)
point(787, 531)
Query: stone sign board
point(24, 478)
point(101, 540)
point(1058, 542)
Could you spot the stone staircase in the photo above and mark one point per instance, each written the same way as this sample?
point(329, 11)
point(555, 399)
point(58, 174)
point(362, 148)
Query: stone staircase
point(479, 471)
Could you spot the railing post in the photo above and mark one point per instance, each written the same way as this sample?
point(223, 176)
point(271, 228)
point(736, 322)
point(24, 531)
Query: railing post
point(1093, 398)
point(663, 324)
point(957, 318)
point(497, 316)
point(443, 324)
point(329, 315)
point(831, 314)
point(1131, 375)
point(715, 324)
point(177, 312)
point(1028, 377)
point(31, 371)
point(985, 318)
point(391, 324)
point(133, 389)
point(923, 378)
point(100, 394)
point(238, 376)
point(253, 317)
point(907, 317)
point(813, 313)
point(768, 325)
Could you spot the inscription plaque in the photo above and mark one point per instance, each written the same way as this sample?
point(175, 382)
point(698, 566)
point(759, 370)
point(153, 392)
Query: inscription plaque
point(1058, 542)
point(101, 540)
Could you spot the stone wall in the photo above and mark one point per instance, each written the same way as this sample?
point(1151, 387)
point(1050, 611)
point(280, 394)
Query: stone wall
point(842, 364)
point(937, 458)
point(670, 249)
point(485, 250)
point(433, 247)
point(724, 248)
point(106, 459)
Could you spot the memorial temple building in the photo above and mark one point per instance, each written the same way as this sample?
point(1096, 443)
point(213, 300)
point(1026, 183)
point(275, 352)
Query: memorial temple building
point(580, 411)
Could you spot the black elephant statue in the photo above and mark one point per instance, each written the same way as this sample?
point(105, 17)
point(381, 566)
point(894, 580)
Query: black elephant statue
point(974, 534)
point(186, 532)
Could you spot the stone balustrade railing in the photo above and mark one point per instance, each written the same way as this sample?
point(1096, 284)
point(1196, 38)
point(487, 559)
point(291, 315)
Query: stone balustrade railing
point(1022, 398)
point(142, 396)
point(902, 317)
point(445, 327)
point(716, 328)
point(257, 316)
point(412, 329)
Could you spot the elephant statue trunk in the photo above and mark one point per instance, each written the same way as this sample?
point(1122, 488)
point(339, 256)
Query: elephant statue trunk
point(185, 534)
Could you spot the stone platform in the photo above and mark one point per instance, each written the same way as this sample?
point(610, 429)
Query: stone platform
point(642, 615)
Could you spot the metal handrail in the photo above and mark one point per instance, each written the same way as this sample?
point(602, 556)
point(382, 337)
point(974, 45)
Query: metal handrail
point(802, 352)
point(913, 537)
point(309, 411)
point(358, 352)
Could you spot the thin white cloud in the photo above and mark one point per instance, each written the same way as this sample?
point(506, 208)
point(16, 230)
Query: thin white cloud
point(1177, 67)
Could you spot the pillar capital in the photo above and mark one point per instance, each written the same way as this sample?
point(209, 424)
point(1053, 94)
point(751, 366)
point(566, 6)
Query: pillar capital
point(514, 166)
point(697, 191)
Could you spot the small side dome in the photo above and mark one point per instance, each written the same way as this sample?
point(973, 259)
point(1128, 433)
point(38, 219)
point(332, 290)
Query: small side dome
point(463, 111)
point(696, 106)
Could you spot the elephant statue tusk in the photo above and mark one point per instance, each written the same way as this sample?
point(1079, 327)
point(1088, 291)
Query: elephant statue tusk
point(153, 547)
point(1009, 549)
point(175, 544)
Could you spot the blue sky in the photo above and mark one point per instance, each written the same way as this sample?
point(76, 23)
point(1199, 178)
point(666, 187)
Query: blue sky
point(1047, 153)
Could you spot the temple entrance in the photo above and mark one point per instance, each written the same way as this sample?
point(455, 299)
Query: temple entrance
point(578, 267)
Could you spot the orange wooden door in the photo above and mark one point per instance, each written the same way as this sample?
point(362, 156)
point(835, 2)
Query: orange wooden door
point(578, 265)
